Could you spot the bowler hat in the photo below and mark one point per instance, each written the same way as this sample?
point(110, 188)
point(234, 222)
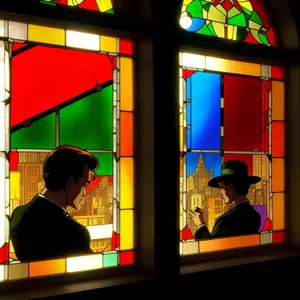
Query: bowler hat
point(234, 169)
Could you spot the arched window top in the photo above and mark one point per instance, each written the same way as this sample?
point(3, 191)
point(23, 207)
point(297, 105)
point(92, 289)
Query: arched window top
point(105, 6)
point(242, 20)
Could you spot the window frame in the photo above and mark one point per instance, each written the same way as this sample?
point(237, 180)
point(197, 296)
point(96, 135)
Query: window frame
point(158, 128)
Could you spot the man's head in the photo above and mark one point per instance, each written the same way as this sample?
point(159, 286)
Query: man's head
point(234, 180)
point(67, 169)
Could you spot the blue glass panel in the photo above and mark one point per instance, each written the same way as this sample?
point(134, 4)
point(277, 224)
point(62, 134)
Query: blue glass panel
point(188, 88)
point(206, 112)
point(188, 114)
point(196, 24)
point(188, 138)
point(212, 161)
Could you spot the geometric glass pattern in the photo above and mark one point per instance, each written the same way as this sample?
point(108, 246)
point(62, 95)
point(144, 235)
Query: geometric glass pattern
point(231, 110)
point(241, 20)
point(104, 6)
point(60, 87)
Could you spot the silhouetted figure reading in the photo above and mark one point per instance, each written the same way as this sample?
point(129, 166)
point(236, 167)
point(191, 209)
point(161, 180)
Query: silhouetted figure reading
point(241, 218)
point(42, 228)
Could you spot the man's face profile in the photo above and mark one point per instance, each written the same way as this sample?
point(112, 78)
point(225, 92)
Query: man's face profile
point(226, 192)
point(77, 190)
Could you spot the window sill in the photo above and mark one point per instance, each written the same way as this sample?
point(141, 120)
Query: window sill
point(71, 285)
point(223, 263)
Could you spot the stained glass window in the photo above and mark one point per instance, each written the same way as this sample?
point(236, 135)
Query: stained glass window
point(230, 110)
point(104, 6)
point(66, 87)
point(242, 20)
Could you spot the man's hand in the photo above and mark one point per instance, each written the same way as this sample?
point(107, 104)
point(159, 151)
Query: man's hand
point(197, 216)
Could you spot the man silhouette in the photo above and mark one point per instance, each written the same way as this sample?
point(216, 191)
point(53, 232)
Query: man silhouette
point(43, 229)
point(241, 218)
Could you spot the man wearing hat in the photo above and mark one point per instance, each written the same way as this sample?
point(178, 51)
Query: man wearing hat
point(241, 218)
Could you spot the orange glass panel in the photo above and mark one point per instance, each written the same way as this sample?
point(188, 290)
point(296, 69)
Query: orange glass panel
point(278, 139)
point(126, 83)
point(231, 66)
point(278, 211)
point(277, 101)
point(126, 136)
point(277, 175)
point(47, 267)
point(229, 243)
point(126, 183)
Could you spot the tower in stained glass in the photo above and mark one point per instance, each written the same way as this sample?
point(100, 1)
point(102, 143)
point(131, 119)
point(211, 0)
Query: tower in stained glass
point(241, 20)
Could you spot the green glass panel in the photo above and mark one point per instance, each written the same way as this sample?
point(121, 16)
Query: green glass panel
point(110, 260)
point(238, 20)
point(111, 11)
point(105, 163)
point(88, 123)
point(195, 9)
point(241, 33)
point(247, 13)
point(204, 30)
point(206, 5)
point(211, 29)
point(255, 18)
point(233, 12)
point(40, 135)
point(264, 39)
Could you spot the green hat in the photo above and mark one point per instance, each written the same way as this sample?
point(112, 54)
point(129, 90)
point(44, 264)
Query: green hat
point(234, 169)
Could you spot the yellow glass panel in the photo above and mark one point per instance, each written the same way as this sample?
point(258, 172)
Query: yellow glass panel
point(246, 4)
point(219, 29)
point(50, 267)
point(126, 229)
point(190, 247)
point(3, 273)
point(277, 101)
point(84, 263)
point(229, 243)
point(126, 83)
point(181, 139)
point(2, 197)
point(277, 175)
point(108, 44)
point(46, 35)
point(126, 183)
point(192, 60)
point(215, 14)
point(231, 66)
point(104, 5)
point(2, 126)
point(83, 40)
point(278, 211)
point(17, 271)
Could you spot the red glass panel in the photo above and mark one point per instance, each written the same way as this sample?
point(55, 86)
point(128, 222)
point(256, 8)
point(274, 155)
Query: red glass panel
point(14, 161)
point(265, 115)
point(277, 72)
point(277, 139)
point(115, 242)
point(126, 257)
point(89, 4)
point(242, 114)
point(126, 46)
point(4, 254)
point(45, 77)
point(278, 237)
point(17, 46)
